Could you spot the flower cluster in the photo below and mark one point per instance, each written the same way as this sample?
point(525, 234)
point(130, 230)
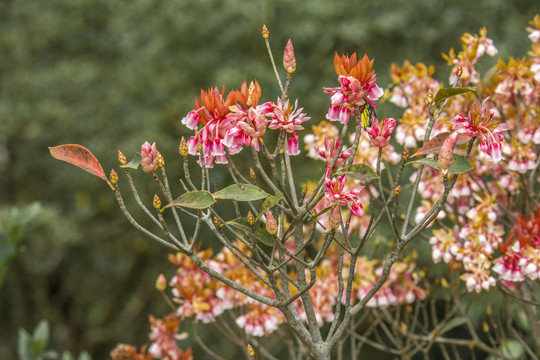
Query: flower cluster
point(228, 123)
point(473, 47)
point(358, 86)
point(476, 242)
point(410, 84)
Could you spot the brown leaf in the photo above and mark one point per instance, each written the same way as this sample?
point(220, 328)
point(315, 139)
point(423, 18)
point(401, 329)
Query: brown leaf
point(79, 156)
point(435, 144)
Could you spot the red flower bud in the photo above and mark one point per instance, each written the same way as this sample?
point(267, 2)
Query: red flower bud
point(271, 225)
point(289, 61)
point(149, 157)
point(446, 154)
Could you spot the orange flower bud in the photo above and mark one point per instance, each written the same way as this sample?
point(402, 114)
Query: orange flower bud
point(251, 352)
point(122, 158)
point(265, 32)
point(289, 61)
point(156, 202)
point(217, 222)
point(161, 283)
point(183, 148)
point(252, 173)
point(397, 190)
point(113, 177)
point(271, 225)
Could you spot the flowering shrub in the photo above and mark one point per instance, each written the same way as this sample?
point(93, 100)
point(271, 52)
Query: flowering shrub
point(308, 260)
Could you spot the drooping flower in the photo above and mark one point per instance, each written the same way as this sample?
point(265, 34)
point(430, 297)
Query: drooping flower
point(358, 86)
point(163, 334)
point(337, 190)
point(480, 122)
point(287, 118)
point(211, 112)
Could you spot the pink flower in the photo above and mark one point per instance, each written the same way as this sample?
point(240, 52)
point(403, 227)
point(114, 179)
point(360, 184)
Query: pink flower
point(164, 334)
point(330, 149)
point(211, 112)
point(358, 85)
point(380, 138)
point(336, 188)
point(289, 119)
point(149, 157)
point(480, 123)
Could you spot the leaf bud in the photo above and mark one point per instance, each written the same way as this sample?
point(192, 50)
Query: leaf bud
point(405, 154)
point(122, 158)
point(250, 218)
point(160, 161)
point(265, 32)
point(161, 283)
point(217, 222)
point(489, 310)
point(252, 173)
point(397, 190)
point(156, 202)
point(459, 70)
point(429, 97)
point(251, 352)
point(183, 148)
point(113, 177)
point(485, 327)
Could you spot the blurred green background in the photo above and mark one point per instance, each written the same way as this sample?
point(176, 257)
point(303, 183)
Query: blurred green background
point(111, 74)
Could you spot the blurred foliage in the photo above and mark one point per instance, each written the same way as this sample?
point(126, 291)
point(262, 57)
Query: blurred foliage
point(34, 346)
point(111, 74)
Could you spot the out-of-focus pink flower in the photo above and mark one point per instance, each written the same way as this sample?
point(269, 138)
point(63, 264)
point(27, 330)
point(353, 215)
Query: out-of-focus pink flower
point(480, 123)
point(163, 334)
point(149, 157)
point(380, 138)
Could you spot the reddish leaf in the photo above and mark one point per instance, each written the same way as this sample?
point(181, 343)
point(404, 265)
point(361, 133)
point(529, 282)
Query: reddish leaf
point(435, 144)
point(79, 156)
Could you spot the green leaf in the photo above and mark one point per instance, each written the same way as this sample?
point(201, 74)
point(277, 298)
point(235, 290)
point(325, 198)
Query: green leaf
point(134, 163)
point(359, 172)
point(452, 324)
point(268, 203)
point(84, 356)
point(7, 249)
point(23, 345)
point(328, 207)
point(448, 92)
point(194, 200)
point(460, 164)
point(511, 349)
point(436, 142)
point(241, 192)
point(258, 228)
point(37, 347)
point(41, 332)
